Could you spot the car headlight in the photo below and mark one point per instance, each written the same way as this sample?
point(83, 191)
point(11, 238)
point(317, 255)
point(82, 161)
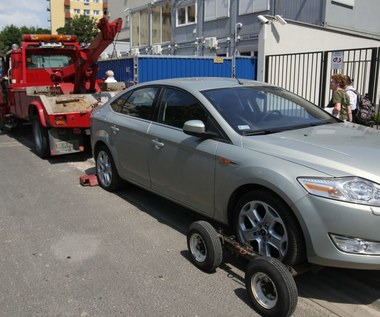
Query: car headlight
point(349, 189)
point(355, 245)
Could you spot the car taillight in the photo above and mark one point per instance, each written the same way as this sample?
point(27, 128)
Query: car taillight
point(60, 120)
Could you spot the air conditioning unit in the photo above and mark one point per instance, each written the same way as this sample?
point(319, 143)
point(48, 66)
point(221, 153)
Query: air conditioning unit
point(156, 49)
point(104, 55)
point(211, 42)
point(135, 51)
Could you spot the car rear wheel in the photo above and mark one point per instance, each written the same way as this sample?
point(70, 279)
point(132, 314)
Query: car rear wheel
point(106, 172)
point(265, 223)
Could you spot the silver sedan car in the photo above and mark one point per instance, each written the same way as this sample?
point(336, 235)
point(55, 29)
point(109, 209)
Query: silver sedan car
point(290, 180)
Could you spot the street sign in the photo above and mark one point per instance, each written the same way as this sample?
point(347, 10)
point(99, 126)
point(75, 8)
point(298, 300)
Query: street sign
point(337, 60)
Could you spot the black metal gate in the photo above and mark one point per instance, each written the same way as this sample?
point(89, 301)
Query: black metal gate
point(308, 74)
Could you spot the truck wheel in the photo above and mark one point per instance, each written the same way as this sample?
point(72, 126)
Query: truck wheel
point(2, 125)
point(106, 172)
point(271, 287)
point(41, 138)
point(10, 124)
point(204, 245)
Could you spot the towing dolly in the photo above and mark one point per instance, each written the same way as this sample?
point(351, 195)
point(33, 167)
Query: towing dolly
point(269, 283)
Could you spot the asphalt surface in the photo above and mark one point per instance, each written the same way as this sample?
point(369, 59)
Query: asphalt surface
point(72, 250)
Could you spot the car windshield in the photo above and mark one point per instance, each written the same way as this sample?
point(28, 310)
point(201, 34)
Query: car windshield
point(263, 109)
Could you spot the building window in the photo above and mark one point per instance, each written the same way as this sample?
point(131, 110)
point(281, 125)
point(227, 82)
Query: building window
point(86, 12)
point(96, 12)
point(187, 15)
point(140, 24)
point(76, 11)
point(252, 6)
point(135, 40)
point(166, 23)
point(95, 1)
point(86, 2)
point(216, 9)
point(161, 23)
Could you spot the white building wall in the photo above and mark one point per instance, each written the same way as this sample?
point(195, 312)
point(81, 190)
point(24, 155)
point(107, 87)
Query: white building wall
point(294, 37)
point(354, 15)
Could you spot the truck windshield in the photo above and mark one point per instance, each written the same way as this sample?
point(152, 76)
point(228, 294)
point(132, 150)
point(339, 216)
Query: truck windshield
point(47, 61)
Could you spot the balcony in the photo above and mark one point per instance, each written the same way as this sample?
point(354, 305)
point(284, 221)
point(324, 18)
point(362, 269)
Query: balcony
point(67, 3)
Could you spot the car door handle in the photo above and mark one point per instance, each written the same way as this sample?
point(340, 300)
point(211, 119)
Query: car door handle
point(114, 129)
point(158, 144)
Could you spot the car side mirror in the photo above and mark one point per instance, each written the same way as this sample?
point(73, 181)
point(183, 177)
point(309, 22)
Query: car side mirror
point(194, 127)
point(197, 128)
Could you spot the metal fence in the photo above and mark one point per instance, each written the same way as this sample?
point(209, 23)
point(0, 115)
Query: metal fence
point(308, 74)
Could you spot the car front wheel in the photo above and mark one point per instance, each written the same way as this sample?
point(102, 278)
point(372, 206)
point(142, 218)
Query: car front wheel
point(106, 172)
point(265, 223)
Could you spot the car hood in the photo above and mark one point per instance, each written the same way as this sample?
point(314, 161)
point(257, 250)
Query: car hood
point(335, 149)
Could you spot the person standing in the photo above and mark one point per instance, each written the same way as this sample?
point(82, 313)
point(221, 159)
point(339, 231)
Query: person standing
point(352, 94)
point(110, 77)
point(340, 101)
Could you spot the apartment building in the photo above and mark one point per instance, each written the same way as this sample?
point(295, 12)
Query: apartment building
point(301, 35)
point(223, 27)
point(63, 10)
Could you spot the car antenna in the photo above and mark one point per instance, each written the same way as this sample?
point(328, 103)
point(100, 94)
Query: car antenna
point(240, 83)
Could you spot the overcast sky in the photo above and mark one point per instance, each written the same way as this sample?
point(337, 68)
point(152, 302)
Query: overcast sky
point(24, 12)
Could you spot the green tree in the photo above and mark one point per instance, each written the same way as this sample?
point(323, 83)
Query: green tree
point(84, 27)
point(12, 34)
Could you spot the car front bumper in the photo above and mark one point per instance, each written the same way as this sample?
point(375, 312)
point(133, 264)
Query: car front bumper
point(355, 229)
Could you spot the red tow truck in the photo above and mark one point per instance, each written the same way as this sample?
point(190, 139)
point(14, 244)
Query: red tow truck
point(50, 82)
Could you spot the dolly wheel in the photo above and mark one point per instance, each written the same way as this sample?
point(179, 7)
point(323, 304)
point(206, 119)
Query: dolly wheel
point(204, 245)
point(271, 287)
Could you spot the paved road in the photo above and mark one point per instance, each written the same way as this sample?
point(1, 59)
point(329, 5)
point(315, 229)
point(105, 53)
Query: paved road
point(69, 250)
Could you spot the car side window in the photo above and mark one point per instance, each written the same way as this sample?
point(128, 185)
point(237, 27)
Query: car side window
point(177, 107)
point(138, 103)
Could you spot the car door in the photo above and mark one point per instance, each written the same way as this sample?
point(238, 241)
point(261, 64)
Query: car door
point(129, 125)
point(181, 166)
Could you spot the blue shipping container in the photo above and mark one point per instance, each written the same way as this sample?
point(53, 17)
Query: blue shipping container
point(145, 68)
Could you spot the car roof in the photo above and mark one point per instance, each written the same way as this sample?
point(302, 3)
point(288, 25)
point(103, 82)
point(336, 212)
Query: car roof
point(205, 83)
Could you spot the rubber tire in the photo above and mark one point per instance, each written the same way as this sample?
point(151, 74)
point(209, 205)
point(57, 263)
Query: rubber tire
point(204, 235)
point(40, 138)
point(2, 124)
point(87, 144)
point(274, 272)
point(114, 181)
point(296, 252)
